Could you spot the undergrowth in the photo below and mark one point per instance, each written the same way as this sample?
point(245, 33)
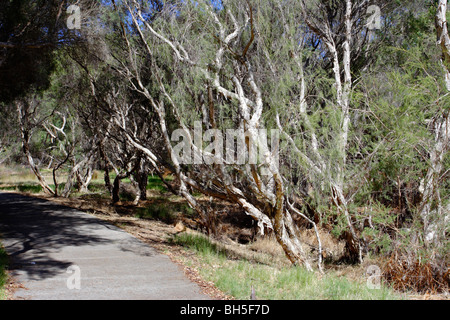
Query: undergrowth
point(236, 277)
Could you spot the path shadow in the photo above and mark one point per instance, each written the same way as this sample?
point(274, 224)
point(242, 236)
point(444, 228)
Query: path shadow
point(33, 229)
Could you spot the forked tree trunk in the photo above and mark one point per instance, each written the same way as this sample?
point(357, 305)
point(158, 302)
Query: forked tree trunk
point(26, 136)
point(42, 182)
point(84, 178)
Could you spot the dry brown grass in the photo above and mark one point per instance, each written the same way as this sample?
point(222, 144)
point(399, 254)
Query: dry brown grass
point(417, 276)
point(269, 246)
point(332, 249)
point(14, 175)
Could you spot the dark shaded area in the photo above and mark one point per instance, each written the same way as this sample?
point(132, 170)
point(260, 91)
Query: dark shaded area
point(44, 239)
point(31, 229)
point(29, 33)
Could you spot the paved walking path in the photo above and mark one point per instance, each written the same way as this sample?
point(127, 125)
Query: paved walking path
point(55, 249)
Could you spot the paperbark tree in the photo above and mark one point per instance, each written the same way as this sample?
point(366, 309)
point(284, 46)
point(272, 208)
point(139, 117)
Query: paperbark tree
point(234, 72)
point(63, 146)
point(229, 82)
point(29, 121)
point(435, 227)
point(341, 33)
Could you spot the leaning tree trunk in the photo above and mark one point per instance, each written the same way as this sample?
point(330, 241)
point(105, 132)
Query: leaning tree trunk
point(26, 136)
point(42, 182)
point(287, 235)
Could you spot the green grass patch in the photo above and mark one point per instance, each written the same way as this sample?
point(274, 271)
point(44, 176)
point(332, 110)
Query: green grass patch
point(199, 244)
point(236, 276)
point(155, 183)
point(159, 211)
point(30, 188)
point(3, 274)
point(97, 187)
point(8, 188)
point(165, 211)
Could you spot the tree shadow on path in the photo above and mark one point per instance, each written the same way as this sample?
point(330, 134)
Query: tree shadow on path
point(32, 230)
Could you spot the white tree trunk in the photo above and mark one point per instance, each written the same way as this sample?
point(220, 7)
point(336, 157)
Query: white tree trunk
point(26, 136)
point(431, 208)
point(248, 96)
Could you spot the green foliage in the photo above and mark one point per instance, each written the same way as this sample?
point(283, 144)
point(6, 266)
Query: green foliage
point(3, 275)
point(155, 183)
point(30, 31)
point(405, 100)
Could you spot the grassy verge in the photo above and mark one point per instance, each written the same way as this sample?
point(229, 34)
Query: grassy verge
point(3, 274)
point(236, 277)
point(28, 188)
point(21, 179)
